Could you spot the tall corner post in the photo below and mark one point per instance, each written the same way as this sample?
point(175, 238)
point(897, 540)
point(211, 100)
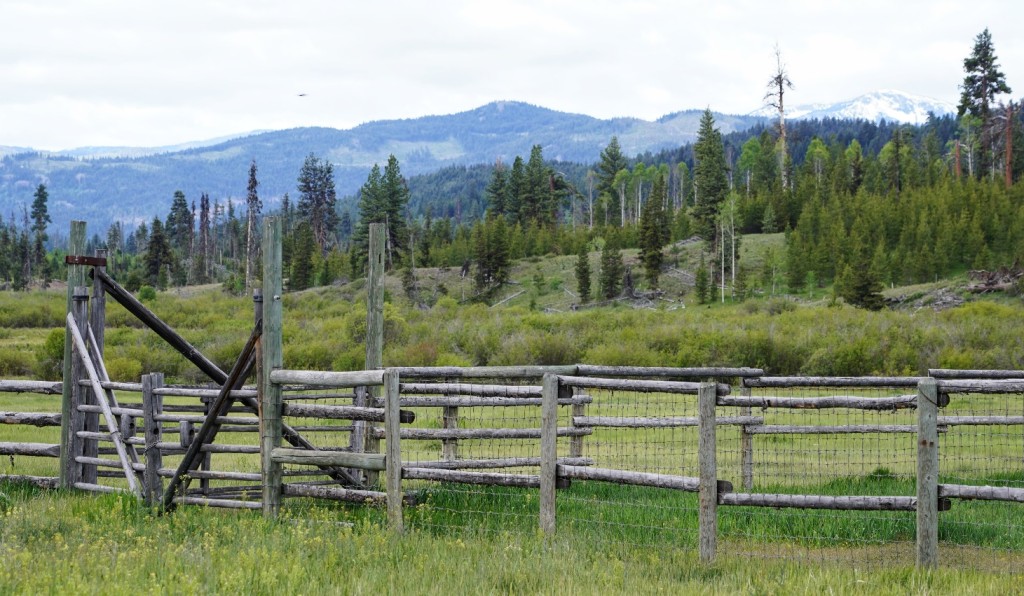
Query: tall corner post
point(76, 278)
point(152, 406)
point(548, 453)
point(271, 425)
point(393, 454)
point(374, 327)
point(707, 515)
point(927, 474)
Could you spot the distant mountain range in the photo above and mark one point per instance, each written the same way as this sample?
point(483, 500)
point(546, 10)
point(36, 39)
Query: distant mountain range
point(105, 184)
point(888, 105)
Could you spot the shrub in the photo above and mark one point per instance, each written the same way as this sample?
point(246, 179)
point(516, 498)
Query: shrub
point(147, 294)
point(49, 357)
point(16, 363)
point(124, 369)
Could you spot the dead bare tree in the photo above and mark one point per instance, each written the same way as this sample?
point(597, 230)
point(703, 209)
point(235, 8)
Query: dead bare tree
point(777, 86)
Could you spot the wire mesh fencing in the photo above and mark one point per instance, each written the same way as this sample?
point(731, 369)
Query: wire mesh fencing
point(471, 457)
point(831, 469)
point(981, 470)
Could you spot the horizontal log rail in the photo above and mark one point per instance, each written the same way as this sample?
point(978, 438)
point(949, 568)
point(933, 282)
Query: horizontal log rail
point(428, 434)
point(470, 390)
point(981, 386)
point(362, 461)
point(41, 387)
point(343, 413)
point(503, 402)
point(659, 422)
point(683, 483)
point(334, 493)
point(811, 429)
point(844, 503)
point(642, 386)
point(506, 462)
point(950, 373)
point(832, 381)
point(30, 449)
point(898, 402)
point(220, 503)
point(39, 419)
point(315, 378)
point(44, 482)
point(984, 493)
point(587, 370)
point(482, 372)
point(482, 478)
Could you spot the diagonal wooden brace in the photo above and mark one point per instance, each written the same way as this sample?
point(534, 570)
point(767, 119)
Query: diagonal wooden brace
point(101, 397)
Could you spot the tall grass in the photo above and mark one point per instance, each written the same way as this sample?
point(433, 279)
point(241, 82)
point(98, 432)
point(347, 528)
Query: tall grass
point(72, 543)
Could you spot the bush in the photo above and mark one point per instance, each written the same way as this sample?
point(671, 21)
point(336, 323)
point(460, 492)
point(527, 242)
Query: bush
point(147, 294)
point(124, 369)
point(49, 357)
point(16, 363)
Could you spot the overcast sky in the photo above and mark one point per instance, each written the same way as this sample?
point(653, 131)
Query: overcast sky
point(139, 73)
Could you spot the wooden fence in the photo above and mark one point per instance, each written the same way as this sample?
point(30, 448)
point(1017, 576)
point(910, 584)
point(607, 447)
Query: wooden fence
point(102, 449)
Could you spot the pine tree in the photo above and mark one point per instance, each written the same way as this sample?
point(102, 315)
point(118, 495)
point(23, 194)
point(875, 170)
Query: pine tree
point(709, 179)
point(497, 190)
point(612, 269)
point(702, 282)
point(302, 258)
point(583, 273)
point(159, 256)
point(317, 198)
point(612, 161)
point(40, 217)
point(982, 83)
point(652, 233)
point(254, 206)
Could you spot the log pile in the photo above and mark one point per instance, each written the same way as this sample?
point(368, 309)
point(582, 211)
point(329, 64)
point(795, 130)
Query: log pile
point(1000, 280)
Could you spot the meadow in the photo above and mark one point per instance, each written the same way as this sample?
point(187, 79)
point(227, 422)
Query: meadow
point(486, 540)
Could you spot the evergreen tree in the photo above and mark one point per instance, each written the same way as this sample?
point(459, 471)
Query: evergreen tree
point(254, 205)
point(497, 190)
point(40, 217)
point(159, 256)
point(317, 198)
point(702, 282)
point(652, 232)
point(302, 258)
point(515, 189)
point(204, 247)
point(612, 270)
point(395, 195)
point(583, 273)
point(982, 83)
point(179, 226)
point(612, 161)
point(709, 177)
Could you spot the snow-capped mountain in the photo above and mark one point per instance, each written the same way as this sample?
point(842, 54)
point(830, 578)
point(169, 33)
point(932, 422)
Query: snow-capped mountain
point(889, 105)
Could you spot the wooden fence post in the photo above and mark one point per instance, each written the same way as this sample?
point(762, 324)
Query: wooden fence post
point(548, 453)
point(152, 405)
point(708, 492)
point(450, 420)
point(68, 438)
point(97, 323)
point(79, 395)
point(374, 327)
point(270, 399)
point(927, 474)
point(746, 448)
point(576, 442)
point(393, 445)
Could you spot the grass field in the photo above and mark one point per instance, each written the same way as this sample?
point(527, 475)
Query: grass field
point(60, 542)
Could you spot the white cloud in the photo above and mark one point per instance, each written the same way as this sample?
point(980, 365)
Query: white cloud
point(130, 73)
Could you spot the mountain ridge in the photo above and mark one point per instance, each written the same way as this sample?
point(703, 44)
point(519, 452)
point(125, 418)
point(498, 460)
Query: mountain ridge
point(132, 189)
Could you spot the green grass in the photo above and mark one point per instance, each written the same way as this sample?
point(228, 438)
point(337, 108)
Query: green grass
point(60, 542)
